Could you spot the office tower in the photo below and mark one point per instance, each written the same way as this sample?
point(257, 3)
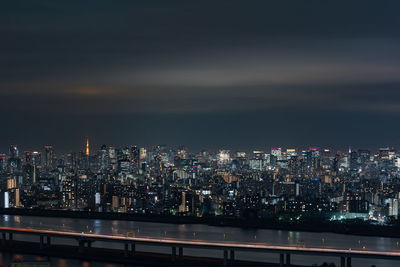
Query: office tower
point(393, 209)
point(71, 161)
point(364, 155)
point(276, 151)
point(353, 162)
point(14, 163)
point(315, 158)
point(258, 154)
point(97, 198)
point(48, 156)
point(384, 152)
point(6, 200)
point(124, 166)
point(13, 151)
point(291, 152)
point(17, 198)
point(276, 154)
point(112, 156)
point(103, 158)
point(183, 207)
point(3, 162)
point(115, 203)
point(335, 163)
point(37, 158)
point(68, 192)
point(224, 157)
point(143, 154)
point(135, 158)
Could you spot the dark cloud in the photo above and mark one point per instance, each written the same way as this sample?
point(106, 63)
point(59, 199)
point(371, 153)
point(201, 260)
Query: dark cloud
point(204, 72)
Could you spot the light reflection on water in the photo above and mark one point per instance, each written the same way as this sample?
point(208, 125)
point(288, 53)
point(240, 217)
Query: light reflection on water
point(8, 259)
point(205, 232)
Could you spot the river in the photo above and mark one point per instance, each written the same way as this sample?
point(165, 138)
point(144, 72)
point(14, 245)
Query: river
point(201, 232)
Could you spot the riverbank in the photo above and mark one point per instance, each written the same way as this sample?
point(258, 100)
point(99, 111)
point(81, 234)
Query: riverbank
point(313, 224)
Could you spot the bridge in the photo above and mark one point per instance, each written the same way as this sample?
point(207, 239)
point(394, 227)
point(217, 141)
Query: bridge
point(228, 248)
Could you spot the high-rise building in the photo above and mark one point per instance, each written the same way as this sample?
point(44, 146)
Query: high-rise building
point(68, 192)
point(103, 158)
point(364, 155)
point(135, 154)
point(115, 203)
point(224, 157)
point(393, 207)
point(48, 156)
point(276, 151)
point(3, 162)
point(143, 154)
point(353, 162)
point(17, 198)
point(291, 152)
point(37, 158)
point(258, 154)
point(183, 207)
point(97, 198)
point(13, 151)
point(384, 152)
point(6, 200)
point(112, 156)
point(314, 158)
point(276, 154)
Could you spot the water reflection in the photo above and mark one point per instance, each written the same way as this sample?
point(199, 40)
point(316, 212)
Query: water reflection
point(205, 232)
point(8, 259)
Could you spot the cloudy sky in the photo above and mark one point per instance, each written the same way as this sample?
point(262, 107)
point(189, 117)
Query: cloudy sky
point(206, 74)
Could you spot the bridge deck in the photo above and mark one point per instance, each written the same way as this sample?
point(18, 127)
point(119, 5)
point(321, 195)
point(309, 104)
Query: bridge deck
point(202, 244)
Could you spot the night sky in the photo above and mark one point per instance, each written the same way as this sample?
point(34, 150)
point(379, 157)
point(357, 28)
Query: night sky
point(205, 74)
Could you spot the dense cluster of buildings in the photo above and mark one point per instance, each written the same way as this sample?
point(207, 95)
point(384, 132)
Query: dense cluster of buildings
point(284, 183)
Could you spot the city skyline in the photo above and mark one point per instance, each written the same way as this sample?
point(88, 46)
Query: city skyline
point(280, 184)
point(89, 149)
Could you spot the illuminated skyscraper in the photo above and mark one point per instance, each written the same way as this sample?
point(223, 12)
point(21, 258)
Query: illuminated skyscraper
point(143, 153)
point(13, 151)
point(291, 152)
point(224, 157)
point(14, 162)
point(276, 151)
point(6, 200)
point(276, 154)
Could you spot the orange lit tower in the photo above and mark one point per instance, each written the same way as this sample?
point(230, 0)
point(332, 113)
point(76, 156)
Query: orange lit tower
point(87, 147)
